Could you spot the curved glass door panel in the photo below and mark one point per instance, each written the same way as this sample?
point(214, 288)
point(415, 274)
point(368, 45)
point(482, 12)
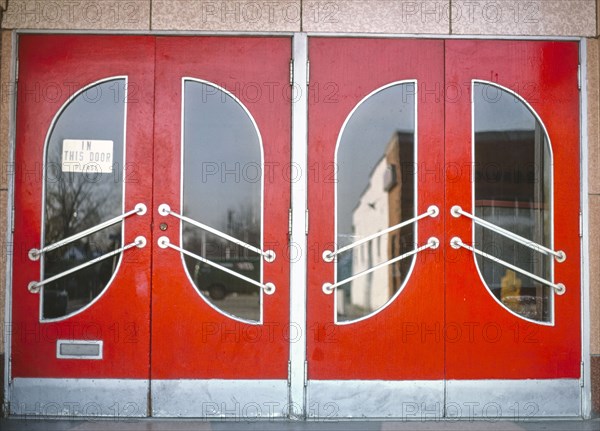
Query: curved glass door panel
point(83, 187)
point(513, 190)
point(375, 189)
point(222, 188)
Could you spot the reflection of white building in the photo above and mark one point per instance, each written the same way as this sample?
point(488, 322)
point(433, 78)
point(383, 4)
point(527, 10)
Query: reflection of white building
point(386, 201)
point(371, 216)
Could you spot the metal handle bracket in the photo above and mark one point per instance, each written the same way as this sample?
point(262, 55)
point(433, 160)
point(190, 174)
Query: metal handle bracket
point(165, 210)
point(432, 211)
point(164, 242)
point(34, 253)
point(559, 255)
point(35, 286)
point(432, 243)
point(456, 243)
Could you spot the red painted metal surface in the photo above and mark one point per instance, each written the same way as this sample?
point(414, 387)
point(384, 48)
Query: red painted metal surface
point(52, 68)
point(484, 340)
point(190, 339)
point(403, 341)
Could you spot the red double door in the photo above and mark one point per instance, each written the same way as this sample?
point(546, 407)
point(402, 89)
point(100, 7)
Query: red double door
point(456, 160)
point(414, 321)
point(144, 315)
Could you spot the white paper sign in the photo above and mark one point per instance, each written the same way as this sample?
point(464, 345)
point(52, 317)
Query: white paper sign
point(84, 155)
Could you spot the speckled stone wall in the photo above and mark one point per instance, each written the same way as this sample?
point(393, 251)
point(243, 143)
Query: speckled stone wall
point(531, 18)
point(476, 17)
point(78, 15)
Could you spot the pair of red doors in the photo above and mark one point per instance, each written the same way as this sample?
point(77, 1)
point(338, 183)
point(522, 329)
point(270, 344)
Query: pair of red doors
point(153, 172)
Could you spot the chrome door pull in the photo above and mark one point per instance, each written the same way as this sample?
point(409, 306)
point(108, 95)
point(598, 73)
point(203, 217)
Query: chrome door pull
point(559, 255)
point(268, 255)
point(432, 243)
point(432, 211)
point(164, 242)
point(34, 253)
point(457, 243)
point(34, 286)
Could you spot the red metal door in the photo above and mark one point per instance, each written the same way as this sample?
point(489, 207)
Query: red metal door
point(203, 340)
point(486, 316)
point(93, 324)
point(399, 338)
point(513, 327)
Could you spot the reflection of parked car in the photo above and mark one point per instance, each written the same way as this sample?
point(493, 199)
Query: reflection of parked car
point(219, 284)
point(55, 303)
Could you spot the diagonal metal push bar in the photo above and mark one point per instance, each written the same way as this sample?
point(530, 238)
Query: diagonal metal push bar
point(34, 253)
point(559, 255)
point(432, 243)
point(457, 243)
point(432, 211)
point(34, 286)
point(268, 255)
point(268, 288)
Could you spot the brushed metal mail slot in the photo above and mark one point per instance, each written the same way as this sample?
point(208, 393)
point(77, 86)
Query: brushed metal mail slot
point(79, 349)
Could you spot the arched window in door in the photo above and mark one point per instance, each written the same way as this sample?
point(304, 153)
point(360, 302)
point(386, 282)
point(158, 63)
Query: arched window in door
point(513, 190)
point(375, 190)
point(222, 188)
point(83, 187)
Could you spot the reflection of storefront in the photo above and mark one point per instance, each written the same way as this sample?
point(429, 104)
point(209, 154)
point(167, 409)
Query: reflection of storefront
point(513, 190)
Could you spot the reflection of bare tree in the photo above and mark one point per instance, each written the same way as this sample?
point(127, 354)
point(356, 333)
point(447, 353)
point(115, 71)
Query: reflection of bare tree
point(70, 207)
point(77, 201)
point(74, 202)
point(243, 223)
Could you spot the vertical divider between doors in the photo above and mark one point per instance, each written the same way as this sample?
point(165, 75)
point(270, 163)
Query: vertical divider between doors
point(298, 239)
point(151, 242)
point(443, 235)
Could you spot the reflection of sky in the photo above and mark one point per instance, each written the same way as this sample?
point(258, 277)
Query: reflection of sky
point(222, 157)
point(499, 110)
point(364, 141)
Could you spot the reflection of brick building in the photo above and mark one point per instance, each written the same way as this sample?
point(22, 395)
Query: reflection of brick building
point(399, 184)
point(387, 200)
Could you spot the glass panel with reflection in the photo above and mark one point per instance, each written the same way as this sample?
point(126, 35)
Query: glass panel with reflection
point(81, 193)
point(222, 188)
point(513, 181)
point(375, 190)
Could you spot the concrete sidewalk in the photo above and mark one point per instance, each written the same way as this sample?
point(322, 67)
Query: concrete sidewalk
point(265, 425)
